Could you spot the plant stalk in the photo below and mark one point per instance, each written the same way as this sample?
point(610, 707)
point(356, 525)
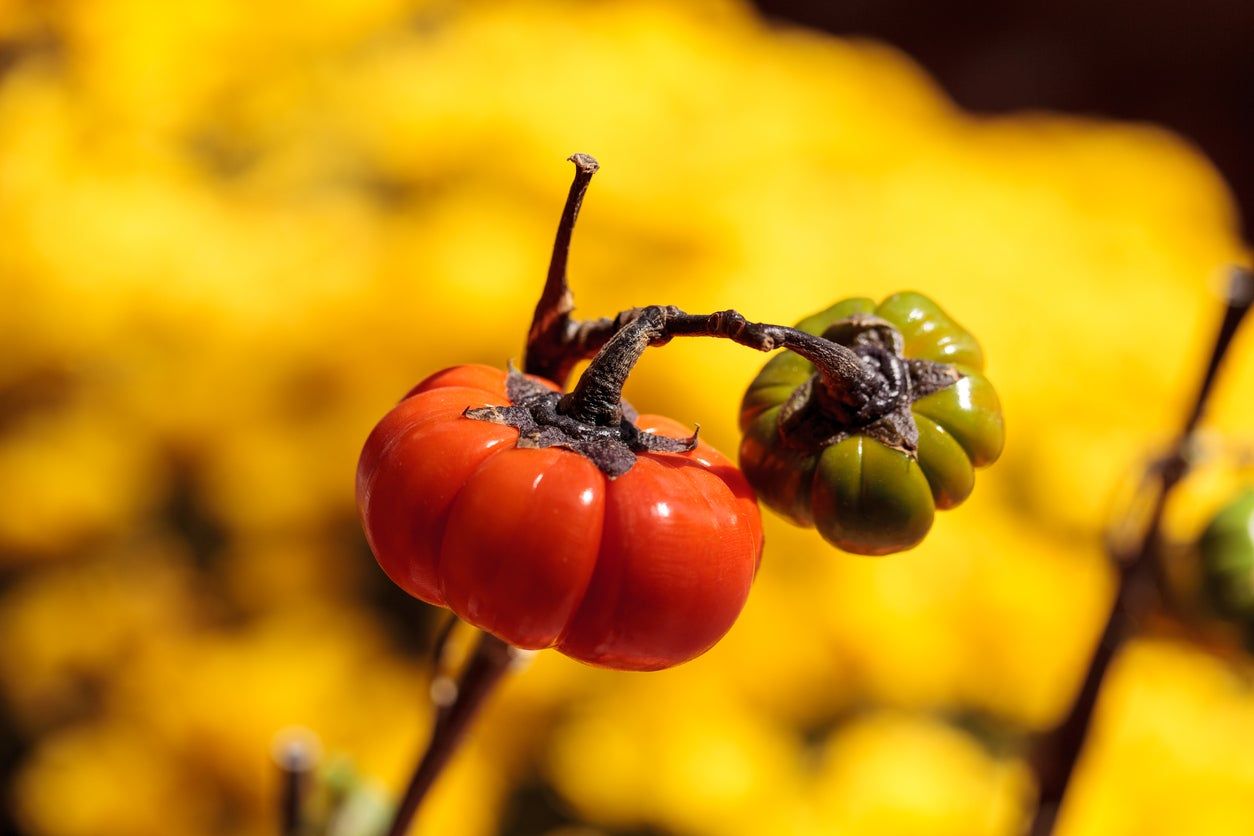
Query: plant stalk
point(488, 664)
point(597, 396)
point(555, 342)
point(296, 756)
point(1056, 754)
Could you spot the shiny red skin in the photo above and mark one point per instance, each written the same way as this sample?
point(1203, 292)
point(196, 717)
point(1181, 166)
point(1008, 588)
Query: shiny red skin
point(540, 548)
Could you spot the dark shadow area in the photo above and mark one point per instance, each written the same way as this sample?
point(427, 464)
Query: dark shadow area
point(1187, 66)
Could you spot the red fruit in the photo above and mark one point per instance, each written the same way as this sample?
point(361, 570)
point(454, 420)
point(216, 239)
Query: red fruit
point(539, 547)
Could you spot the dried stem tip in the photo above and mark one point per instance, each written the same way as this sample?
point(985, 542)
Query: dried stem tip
point(548, 351)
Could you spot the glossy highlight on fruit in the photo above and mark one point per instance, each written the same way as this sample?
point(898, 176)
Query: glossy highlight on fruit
point(539, 547)
point(863, 496)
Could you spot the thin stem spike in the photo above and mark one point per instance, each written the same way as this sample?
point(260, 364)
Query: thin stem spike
point(296, 754)
point(1239, 297)
point(548, 351)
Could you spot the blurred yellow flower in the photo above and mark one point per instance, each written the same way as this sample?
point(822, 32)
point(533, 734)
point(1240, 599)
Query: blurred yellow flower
point(685, 758)
point(902, 775)
point(1171, 749)
point(235, 233)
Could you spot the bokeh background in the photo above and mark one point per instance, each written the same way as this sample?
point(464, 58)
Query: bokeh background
point(233, 233)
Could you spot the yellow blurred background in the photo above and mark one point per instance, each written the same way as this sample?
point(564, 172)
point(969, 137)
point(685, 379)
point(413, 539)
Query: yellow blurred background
point(233, 233)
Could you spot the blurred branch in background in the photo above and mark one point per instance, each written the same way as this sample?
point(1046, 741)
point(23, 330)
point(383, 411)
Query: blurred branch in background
point(296, 755)
point(1138, 559)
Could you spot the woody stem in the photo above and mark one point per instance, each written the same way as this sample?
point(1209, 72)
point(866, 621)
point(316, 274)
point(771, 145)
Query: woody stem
point(488, 664)
point(549, 351)
point(1055, 754)
point(597, 396)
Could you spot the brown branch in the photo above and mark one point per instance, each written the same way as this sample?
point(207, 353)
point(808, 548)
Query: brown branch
point(597, 397)
point(296, 755)
point(488, 664)
point(1055, 755)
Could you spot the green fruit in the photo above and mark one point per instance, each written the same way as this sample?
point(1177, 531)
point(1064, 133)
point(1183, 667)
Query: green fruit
point(1227, 552)
point(861, 494)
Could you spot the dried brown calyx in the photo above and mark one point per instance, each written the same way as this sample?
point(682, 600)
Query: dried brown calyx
point(811, 419)
point(534, 411)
